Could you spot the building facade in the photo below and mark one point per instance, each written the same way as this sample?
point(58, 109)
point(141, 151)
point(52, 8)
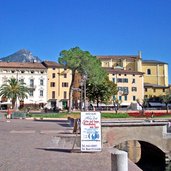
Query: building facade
point(126, 72)
point(155, 78)
point(34, 75)
point(59, 81)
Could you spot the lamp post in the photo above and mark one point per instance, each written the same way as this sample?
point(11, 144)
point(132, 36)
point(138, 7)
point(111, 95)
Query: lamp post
point(16, 105)
point(81, 95)
point(84, 83)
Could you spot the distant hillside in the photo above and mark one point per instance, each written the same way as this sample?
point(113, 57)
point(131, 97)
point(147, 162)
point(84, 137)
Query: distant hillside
point(22, 55)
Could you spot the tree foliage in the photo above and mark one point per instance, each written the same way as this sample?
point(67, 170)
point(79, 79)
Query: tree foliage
point(143, 103)
point(12, 90)
point(166, 99)
point(84, 63)
point(101, 93)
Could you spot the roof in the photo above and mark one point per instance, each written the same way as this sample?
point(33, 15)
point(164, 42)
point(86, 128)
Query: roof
point(51, 64)
point(121, 71)
point(117, 57)
point(154, 85)
point(153, 62)
point(26, 65)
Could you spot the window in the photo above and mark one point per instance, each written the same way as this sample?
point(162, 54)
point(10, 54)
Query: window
point(65, 75)
point(134, 88)
point(119, 80)
point(163, 90)
point(21, 81)
point(31, 83)
point(125, 98)
point(22, 72)
point(32, 72)
point(113, 79)
point(65, 94)
point(41, 93)
point(148, 71)
point(125, 80)
point(133, 80)
point(31, 93)
point(120, 98)
point(41, 82)
point(119, 88)
point(114, 97)
point(122, 80)
point(146, 90)
point(53, 75)
point(64, 84)
point(53, 94)
point(134, 98)
point(52, 84)
point(154, 90)
point(125, 90)
point(42, 72)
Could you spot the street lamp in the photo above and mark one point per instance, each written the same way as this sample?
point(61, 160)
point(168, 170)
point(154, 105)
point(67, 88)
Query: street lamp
point(84, 83)
point(81, 95)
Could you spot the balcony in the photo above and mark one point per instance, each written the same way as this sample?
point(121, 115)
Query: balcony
point(31, 87)
point(126, 92)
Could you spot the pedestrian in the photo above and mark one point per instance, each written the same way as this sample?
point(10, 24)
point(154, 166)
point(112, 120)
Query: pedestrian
point(9, 112)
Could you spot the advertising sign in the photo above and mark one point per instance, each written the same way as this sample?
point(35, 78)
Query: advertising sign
point(91, 131)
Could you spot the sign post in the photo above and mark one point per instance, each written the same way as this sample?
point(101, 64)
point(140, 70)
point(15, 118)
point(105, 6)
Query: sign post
point(91, 131)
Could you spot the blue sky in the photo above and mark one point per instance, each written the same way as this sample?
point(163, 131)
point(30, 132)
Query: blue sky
point(103, 27)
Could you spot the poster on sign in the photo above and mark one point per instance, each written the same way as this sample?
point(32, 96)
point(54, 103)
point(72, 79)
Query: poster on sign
point(91, 131)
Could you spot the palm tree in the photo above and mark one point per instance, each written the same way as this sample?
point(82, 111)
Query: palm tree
point(13, 89)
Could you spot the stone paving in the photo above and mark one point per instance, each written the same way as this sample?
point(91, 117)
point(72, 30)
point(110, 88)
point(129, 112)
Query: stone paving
point(26, 145)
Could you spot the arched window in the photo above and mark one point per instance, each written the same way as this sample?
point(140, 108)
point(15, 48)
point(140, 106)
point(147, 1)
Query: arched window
point(149, 71)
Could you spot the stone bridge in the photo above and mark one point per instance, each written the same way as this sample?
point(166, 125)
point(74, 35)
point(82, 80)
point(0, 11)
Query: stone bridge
point(154, 137)
point(154, 132)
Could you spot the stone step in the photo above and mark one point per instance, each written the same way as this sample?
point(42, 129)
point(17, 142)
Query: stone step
point(66, 141)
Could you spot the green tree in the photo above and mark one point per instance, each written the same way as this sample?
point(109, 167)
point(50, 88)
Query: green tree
point(143, 103)
point(12, 90)
point(101, 92)
point(84, 63)
point(166, 99)
point(117, 104)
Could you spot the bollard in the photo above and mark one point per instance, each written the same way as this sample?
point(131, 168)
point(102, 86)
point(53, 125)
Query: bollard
point(119, 160)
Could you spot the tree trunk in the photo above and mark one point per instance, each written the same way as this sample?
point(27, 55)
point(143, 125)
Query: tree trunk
point(71, 91)
point(167, 109)
point(13, 103)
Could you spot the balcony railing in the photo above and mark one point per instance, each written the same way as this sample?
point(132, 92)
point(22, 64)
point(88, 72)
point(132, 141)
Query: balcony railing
point(33, 87)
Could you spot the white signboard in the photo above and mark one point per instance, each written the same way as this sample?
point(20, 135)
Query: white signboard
point(91, 131)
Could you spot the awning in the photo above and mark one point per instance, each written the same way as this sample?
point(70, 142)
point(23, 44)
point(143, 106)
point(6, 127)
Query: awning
point(156, 104)
point(5, 103)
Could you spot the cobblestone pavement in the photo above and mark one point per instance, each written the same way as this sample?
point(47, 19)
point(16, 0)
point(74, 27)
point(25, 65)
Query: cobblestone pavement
point(26, 145)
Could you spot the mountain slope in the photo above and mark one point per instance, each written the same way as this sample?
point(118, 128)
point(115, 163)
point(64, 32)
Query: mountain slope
point(22, 55)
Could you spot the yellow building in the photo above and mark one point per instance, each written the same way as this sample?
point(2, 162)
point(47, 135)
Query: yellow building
point(126, 72)
point(155, 78)
point(135, 79)
point(59, 81)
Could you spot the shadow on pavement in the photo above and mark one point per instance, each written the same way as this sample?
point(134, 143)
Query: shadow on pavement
point(63, 123)
point(61, 150)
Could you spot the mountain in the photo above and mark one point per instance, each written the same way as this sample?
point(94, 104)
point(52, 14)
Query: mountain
point(22, 55)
